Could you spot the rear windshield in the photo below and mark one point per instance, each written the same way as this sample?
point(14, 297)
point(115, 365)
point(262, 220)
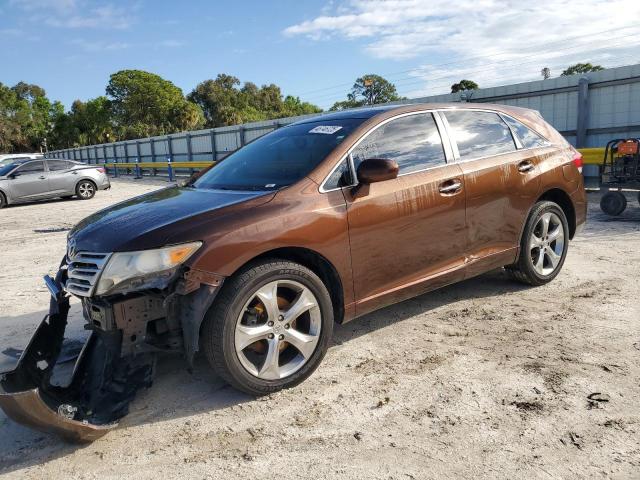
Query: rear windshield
point(279, 158)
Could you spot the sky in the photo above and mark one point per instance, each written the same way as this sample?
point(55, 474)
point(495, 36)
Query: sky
point(314, 49)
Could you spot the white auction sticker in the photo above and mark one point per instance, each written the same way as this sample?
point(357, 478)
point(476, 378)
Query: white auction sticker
point(325, 129)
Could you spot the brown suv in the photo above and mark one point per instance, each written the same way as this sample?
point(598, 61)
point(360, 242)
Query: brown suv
point(318, 222)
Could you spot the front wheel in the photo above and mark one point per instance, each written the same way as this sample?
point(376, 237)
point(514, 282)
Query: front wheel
point(543, 246)
point(269, 327)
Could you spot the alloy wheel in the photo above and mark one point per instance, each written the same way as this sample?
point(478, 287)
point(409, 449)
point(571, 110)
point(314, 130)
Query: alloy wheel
point(547, 244)
point(278, 330)
point(86, 190)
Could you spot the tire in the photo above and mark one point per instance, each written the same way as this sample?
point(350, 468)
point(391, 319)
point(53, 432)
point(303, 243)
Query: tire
point(639, 197)
point(240, 331)
point(3, 200)
point(85, 189)
point(549, 251)
point(613, 203)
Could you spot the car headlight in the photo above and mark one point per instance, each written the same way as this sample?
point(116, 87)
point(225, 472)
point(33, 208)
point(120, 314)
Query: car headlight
point(143, 269)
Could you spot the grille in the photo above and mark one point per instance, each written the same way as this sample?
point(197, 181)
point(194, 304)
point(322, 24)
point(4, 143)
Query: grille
point(83, 271)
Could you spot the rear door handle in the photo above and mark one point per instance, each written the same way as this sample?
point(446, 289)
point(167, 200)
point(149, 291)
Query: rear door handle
point(451, 187)
point(525, 166)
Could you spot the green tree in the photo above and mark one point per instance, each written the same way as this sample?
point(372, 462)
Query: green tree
point(25, 117)
point(369, 89)
point(225, 102)
point(144, 104)
point(464, 85)
point(579, 68)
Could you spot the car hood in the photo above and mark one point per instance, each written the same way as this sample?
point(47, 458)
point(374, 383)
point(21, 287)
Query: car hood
point(148, 221)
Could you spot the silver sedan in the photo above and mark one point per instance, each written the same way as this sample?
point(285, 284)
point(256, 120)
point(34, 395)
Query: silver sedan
point(30, 180)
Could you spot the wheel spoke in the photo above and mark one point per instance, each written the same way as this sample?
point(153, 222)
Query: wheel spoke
point(268, 295)
point(546, 219)
point(246, 335)
point(539, 263)
point(270, 369)
point(303, 303)
point(304, 343)
point(556, 234)
point(553, 257)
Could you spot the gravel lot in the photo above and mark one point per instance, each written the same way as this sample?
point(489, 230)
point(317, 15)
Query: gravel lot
point(484, 379)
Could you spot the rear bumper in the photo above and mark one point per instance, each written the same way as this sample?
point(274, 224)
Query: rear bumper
point(105, 184)
point(98, 394)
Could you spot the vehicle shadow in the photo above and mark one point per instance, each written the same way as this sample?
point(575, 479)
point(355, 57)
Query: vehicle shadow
point(177, 393)
point(41, 202)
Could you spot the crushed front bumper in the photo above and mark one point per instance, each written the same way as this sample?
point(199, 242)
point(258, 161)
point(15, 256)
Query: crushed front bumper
point(98, 394)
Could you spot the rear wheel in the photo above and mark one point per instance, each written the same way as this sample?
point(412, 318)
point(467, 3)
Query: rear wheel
point(269, 327)
point(543, 246)
point(85, 190)
point(613, 203)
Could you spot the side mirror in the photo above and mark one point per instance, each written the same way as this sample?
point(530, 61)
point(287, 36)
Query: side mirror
point(14, 175)
point(374, 170)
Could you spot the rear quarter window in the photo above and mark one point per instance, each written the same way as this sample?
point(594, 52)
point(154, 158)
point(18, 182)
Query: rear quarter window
point(528, 138)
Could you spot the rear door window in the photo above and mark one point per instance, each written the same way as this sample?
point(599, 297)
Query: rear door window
point(57, 165)
point(479, 134)
point(413, 141)
point(528, 138)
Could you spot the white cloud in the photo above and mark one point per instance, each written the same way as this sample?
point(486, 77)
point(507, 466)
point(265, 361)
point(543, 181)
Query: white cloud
point(488, 37)
point(77, 13)
point(93, 47)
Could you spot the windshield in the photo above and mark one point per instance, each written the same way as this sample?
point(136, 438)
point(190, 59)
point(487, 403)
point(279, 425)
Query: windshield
point(7, 167)
point(279, 158)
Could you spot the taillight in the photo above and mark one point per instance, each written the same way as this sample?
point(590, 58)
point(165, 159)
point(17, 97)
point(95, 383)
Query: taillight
point(101, 169)
point(577, 159)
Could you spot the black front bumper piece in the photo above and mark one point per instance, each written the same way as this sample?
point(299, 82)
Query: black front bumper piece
point(99, 392)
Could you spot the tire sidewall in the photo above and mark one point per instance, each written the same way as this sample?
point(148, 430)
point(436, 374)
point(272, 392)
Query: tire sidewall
point(243, 295)
point(613, 203)
point(541, 209)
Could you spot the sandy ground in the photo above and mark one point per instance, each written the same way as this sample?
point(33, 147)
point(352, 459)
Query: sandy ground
point(484, 379)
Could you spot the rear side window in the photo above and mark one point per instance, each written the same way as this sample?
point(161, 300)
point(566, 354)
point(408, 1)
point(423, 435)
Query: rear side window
point(31, 167)
point(55, 165)
point(413, 141)
point(528, 138)
point(480, 134)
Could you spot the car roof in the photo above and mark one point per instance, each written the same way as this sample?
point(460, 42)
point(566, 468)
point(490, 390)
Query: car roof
point(370, 112)
point(360, 113)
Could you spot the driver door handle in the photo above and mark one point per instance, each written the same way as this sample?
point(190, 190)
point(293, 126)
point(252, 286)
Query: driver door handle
point(451, 187)
point(42, 177)
point(525, 166)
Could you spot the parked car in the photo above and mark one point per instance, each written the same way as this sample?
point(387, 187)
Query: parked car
point(26, 180)
point(13, 157)
point(316, 223)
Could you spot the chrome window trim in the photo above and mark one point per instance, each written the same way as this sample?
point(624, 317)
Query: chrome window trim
point(440, 114)
point(369, 132)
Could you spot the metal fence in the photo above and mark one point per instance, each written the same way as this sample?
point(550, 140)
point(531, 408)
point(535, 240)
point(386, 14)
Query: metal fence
point(588, 110)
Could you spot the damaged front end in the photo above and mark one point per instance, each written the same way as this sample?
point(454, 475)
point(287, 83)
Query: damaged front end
point(127, 330)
